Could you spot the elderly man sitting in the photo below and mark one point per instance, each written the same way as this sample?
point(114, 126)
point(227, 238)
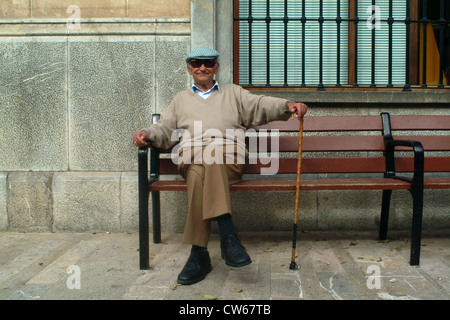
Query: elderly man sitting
point(201, 108)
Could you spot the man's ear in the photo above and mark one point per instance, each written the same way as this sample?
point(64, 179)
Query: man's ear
point(188, 66)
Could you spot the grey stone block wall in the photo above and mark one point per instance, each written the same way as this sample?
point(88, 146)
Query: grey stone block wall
point(3, 202)
point(70, 106)
point(115, 85)
point(30, 201)
point(335, 210)
point(86, 201)
point(33, 104)
point(111, 94)
point(74, 103)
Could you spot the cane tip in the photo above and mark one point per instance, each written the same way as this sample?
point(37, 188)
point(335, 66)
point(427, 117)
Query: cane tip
point(293, 266)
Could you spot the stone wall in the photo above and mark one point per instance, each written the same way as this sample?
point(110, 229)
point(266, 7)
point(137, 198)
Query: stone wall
point(71, 96)
point(36, 9)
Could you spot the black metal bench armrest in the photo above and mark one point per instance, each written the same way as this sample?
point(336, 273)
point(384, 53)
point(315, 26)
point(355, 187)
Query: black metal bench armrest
point(391, 143)
point(154, 164)
point(419, 157)
point(143, 162)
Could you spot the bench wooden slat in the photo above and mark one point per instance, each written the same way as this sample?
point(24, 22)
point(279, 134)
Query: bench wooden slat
point(430, 143)
point(355, 143)
point(347, 143)
point(311, 165)
point(322, 184)
point(333, 165)
point(437, 164)
point(436, 183)
point(328, 143)
point(311, 184)
point(350, 123)
point(324, 165)
point(408, 122)
point(290, 184)
point(327, 123)
point(352, 165)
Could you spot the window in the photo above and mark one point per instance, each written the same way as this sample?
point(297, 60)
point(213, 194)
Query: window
point(332, 43)
point(376, 39)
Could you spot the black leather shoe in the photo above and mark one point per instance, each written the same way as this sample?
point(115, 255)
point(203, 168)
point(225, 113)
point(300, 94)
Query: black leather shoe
point(196, 268)
point(234, 252)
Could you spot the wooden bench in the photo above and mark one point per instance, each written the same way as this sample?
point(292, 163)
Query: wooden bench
point(356, 153)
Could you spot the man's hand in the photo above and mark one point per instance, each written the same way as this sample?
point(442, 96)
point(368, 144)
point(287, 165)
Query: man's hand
point(298, 108)
point(139, 138)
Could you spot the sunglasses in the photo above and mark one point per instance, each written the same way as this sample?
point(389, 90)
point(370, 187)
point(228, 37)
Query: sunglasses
point(209, 63)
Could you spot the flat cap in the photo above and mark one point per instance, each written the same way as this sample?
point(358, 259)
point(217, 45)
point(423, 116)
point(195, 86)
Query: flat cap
point(202, 53)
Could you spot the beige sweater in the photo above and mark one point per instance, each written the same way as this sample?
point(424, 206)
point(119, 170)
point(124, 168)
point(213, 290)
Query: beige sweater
point(191, 120)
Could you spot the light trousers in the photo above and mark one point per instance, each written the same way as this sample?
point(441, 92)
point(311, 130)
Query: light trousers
point(208, 191)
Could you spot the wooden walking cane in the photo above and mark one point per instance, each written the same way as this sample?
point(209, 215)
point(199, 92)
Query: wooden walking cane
point(293, 265)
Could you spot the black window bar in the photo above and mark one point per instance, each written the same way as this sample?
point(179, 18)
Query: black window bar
point(355, 19)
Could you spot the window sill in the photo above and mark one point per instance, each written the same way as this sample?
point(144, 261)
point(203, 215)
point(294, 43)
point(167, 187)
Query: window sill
point(360, 96)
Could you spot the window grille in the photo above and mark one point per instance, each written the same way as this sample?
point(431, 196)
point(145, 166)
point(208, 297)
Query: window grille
point(336, 43)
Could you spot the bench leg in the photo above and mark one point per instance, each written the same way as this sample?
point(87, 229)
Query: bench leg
point(384, 218)
point(156, 216)
point(143, 225)
point(416, 233)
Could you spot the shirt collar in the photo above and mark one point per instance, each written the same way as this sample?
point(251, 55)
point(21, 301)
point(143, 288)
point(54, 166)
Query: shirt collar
point(214, 87)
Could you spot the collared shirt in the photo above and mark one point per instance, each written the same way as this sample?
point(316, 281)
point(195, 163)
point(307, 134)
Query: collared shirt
point(203, 94)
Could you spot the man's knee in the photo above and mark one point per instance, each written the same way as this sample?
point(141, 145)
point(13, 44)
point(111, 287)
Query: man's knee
point(195, 172)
